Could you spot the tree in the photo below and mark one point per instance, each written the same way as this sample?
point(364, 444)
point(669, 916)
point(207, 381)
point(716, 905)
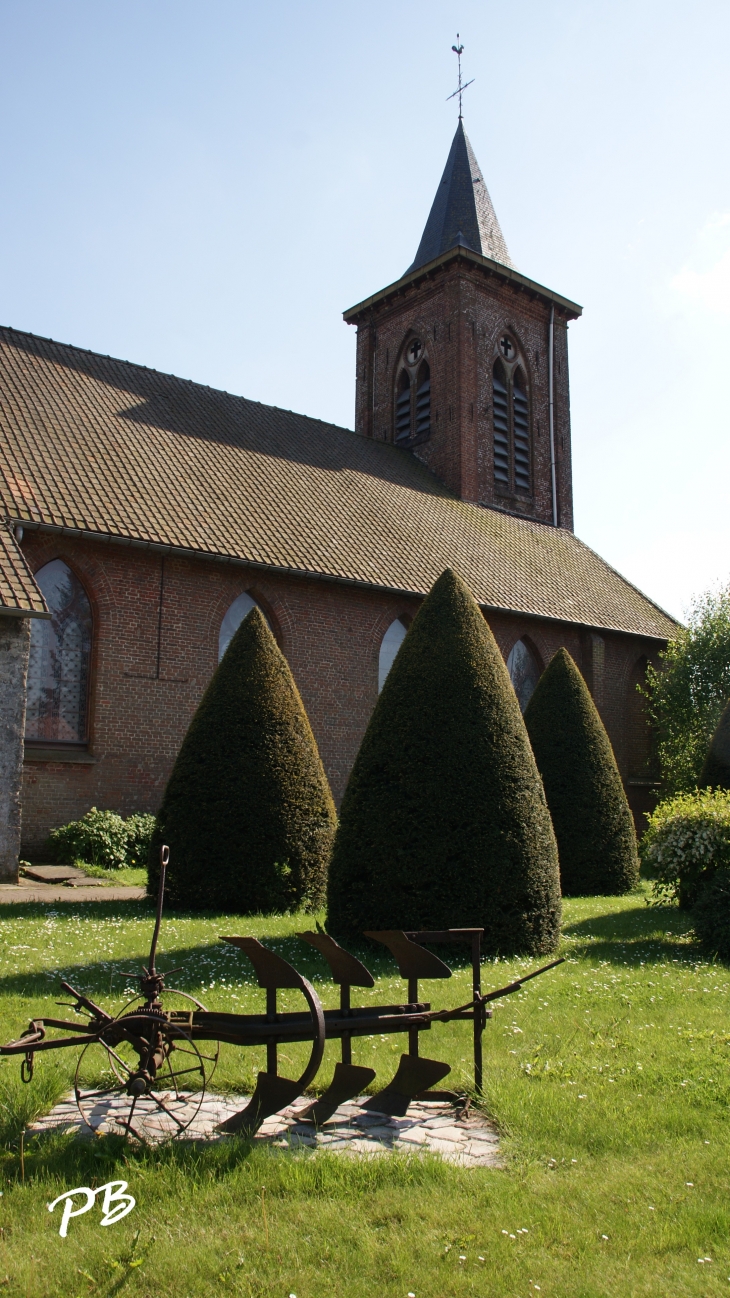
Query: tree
point(444, 822)
point(686, 696)
point(591, 817)
point(247, 813)
point(715, 773)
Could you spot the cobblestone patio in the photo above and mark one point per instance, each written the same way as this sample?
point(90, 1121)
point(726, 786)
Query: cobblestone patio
point(436, 1127)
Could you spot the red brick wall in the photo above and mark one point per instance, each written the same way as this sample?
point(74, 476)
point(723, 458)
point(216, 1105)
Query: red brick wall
point(460, 313)
point(329, 633)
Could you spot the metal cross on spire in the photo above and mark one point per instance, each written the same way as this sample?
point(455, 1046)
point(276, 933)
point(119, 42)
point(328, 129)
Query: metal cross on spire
point(458, 51)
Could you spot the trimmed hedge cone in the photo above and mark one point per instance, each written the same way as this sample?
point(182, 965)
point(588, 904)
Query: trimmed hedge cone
point(592, 819)
point(444, 822)
point(247, 812)
point(715, 772)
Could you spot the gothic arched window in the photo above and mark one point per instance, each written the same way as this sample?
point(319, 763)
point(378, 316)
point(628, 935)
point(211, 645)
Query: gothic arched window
point(524, 672)
point(511, 415)
point(60, 653)
point(413, 396)
point(638, 728)
point(232, 620)
point(389, 646)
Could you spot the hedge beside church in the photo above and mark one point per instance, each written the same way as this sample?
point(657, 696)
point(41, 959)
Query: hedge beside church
point(715, 772)
point(444, 822)
point(592, 819)
point(247, 813)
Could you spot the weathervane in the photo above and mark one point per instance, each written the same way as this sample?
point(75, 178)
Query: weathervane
point(458, 51)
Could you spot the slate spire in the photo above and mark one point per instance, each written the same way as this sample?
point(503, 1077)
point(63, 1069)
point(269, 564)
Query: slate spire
point(462, 211)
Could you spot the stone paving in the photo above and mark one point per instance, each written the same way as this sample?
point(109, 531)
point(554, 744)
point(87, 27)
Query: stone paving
point(433, 1126)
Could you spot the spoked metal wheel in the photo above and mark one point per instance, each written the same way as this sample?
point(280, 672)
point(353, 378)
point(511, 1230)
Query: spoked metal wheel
point(143, 1077)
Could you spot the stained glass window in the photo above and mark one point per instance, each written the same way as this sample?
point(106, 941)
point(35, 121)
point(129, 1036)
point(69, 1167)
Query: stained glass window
point(58, 668)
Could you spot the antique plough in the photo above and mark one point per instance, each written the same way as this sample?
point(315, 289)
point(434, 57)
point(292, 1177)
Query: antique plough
point(156, 1062)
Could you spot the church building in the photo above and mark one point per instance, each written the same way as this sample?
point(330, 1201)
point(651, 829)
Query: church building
point(145, 514)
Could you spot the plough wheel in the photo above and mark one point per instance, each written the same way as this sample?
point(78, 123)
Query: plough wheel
point(143, 1078)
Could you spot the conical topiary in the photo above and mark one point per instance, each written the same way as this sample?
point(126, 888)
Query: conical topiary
point(592, 819)
point(247, 813)
point(444, 822)
point(715, 772)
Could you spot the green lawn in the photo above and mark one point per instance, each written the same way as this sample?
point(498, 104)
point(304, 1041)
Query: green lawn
point(608, 1079)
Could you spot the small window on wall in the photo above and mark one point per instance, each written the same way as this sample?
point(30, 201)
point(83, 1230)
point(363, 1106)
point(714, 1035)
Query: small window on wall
point(524, 672)
point(413, 396)
point(511, 418)
point(389, 646)
point(232, 620)
point(60, 654)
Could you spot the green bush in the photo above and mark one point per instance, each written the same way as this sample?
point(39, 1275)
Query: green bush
point(687, 841)
point(711, 914)
point(444, 822)
point(688, 693)
point(715, 773)
point(99, 838)
point(591, 816)
point(140, 828)
point(247, 813)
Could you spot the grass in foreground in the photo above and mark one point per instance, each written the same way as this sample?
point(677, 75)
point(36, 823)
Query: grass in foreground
point(608, 1078)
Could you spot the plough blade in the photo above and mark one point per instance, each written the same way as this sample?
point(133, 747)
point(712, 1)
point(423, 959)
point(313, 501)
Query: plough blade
point(349, 1080)
point(414, 1075)
point(271, 1094)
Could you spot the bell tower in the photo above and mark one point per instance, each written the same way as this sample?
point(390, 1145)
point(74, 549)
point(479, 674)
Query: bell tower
point(463, 362)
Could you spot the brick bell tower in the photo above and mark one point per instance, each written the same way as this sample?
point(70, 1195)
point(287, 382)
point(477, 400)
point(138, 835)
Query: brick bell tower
point(463, 362)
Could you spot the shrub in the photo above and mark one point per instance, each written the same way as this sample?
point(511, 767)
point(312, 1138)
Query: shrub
point(444, 822)
point(591, 816)
point(686, 696)
point(687, 841)
point(247, 813)
point(140, 828)
point(98, 838)
point(715, 773)
point(711, 915)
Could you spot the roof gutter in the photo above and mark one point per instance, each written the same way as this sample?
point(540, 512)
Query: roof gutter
point(161, 547)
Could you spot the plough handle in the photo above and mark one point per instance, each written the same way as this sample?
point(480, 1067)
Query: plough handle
point(515, 986)
point(164, 860)
point(86, 1003)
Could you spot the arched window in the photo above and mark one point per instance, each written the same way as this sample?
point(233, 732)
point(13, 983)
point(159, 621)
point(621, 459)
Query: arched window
point(58, 667)
point(511, 416)
point(389, 646)
point(232, 620)
point(524, 672)
point(403, 408)
point(423, 401)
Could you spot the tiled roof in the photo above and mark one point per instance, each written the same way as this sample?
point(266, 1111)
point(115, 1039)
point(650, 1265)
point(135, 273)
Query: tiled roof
point(114, 449)
point(462, 211)
point(19, 594)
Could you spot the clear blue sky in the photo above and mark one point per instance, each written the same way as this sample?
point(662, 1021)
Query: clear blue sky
point(204, 185)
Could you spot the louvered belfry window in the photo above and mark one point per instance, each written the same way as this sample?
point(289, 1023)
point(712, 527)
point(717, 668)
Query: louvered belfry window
point(500, 400)
point(423, 400)
point(520, 433)
point(403, 409)
point(413, 396)
point(511, 417)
